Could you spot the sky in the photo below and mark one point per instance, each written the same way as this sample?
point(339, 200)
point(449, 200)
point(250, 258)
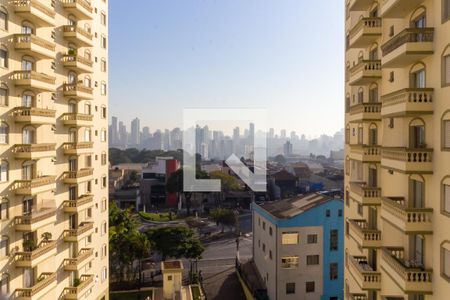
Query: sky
point(285, 56)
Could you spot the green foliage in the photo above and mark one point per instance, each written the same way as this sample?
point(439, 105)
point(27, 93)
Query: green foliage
point(224, 217)
point(132, 155)
point(175, 242)
point(279, 159)
point(76, 282)
point(126, 242)
point(160, 217)
point(228, 182)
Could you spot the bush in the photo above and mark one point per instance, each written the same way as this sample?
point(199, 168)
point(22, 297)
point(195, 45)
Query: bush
point(160, 217)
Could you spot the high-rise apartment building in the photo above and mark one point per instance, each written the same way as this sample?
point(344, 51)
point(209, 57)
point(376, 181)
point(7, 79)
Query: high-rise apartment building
point(53, 140)
point(135, 137)
point(397, 150)
point(114, 131)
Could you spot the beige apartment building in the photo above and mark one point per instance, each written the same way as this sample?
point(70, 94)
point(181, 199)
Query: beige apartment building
point(397, 241)
point(53, 149)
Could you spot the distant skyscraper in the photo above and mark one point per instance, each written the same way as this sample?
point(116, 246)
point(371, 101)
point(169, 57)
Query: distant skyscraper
point(236, 133)
point(123, 134)
point(114, 133)
point(283, 133)
point(145, 133)
point(271, 134)
point(287, 149)
point(293, 136)
point(135, 137)
point(166, 140)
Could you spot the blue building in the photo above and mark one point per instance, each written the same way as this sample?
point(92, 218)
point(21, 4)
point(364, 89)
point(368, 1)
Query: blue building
point(298, 247)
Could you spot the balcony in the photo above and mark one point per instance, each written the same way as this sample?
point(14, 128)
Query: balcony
point(33, 151)
point(77, 35)
point(365, 32)
point(398, 8)
point(365, 112)
point(76, 235)
point(78, 148)
point(77, 177)
point(34, 186)
point(76, 206)
point(410, 276)
point(365, 72)
point(78, 91)
point(364, 194)
point(360, 5)
point(36, 219)
point(34, 115)
point(44, 284)
point(74, 264)
point(407, 102)
point(408, 219)
point(407, 47)
point(408, 160)
point(81, 9)
point(35, 11)
point(30, 259)
point(34, 46)
point(77, 63)
point(365, 153)
point(365, 237)
point(33, 80)
point(364, 275)
point(80, 120)
point(358, 296)
point(76, 292)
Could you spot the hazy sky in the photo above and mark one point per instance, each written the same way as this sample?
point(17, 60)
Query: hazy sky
point(282, 55)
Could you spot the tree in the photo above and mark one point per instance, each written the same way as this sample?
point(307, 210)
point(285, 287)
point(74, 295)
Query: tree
point(126, 243)
point(228, 183)
point(175, 242)
point(175, 184)
point(224, 217)
point(279, 159)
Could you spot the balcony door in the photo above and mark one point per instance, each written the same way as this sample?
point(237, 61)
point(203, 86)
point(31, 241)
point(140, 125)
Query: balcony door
point(28, 277)
point(73, 224)
point(72, 135)
point(73, 165)
point(73, 194)
point(373, 222)
point(420, 22)
point(27, 206)
point(417, 137)
point(72, 78)
point(360, 135)
point(418, 248)
point(419, 79)
point(28, 135)
point(72, 107)
point(373, 180)
point(27, 29)
point(27, 64)
point(373, 140)
point(418, 194)
point(27, 100)
point(28, 169)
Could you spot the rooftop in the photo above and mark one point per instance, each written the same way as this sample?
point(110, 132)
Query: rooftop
point(288, 208)
point(172, 265)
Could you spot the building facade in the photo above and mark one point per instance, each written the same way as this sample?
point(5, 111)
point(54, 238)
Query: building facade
point(298, 247)
point(397, 177)
point(53, 141)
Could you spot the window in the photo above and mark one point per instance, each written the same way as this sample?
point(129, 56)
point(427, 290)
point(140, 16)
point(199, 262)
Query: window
point(327, 213)
point(103, 18)
point(4, 246)
point(445, 264)
point(104, 182)
point(446, 204)
point(104, 251)
point(3, 19)
point(104, 158)
point(270, 254)
point(89, 213)
point(4, 130)
point(103, 112)
point(103, 88)
point(103, 65)
point(445, 10)
point(312, 239)
point(103, 135)
point(88, 161)
point(104, 274)
point(310, 286)
point(312, 260)
point(270, 230)
point(264, 247)
point(3, 171)
point(104, 204)
point(446, 72)
point(289, 238)
point(3, 96)
point(334, 240)
point(290, 288)
point(4, 213)
point(264, 225)
point(289, 262)
point(103, 41)
point(88, 186)
point(340, 213)
point(360, 209)
point(4, 284)
point(333, 271)
point(3, 58)
point(104, 229)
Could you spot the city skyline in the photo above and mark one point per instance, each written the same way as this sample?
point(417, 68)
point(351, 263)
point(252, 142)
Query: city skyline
point(229, 54)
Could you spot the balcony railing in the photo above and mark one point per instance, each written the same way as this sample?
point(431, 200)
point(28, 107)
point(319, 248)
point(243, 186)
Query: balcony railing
point(408, 160)
point(30, 148)
point(78, 174)
point(77, 117)
point(26, 185)
point(365, 32)
point(367, 238)
point(366, 153)
point(74, 263)
point(76, 61)
point(32, 75)
point(35, 10)
point(28, 38)
point(408, 219)
point(83, 3)
point(358, 297)
point(366, 195)
point(41, 283)
point(75, 233)
point(35, 216)
point(77, 90)
point(71, 205)
point(29, 256)
point(365, 71)
point(77, 33)
point(408, 101)
point(23, 111)
point(409, 35)
point(73, 292)
point(366, 277)
point(410, 275)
